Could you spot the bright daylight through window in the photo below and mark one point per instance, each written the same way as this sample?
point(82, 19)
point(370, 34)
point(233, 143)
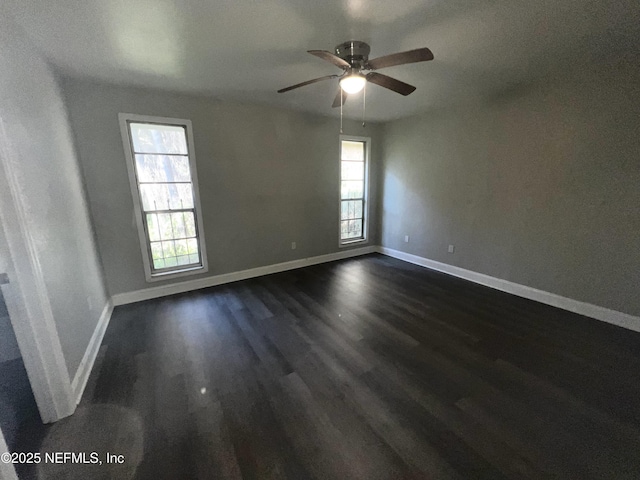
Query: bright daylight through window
point(163, 170)
point(353, 182)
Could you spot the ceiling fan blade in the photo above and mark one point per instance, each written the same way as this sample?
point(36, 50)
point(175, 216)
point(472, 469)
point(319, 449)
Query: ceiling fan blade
point(341, 97)
point(390, 83)
point(330, 57)
point(411, 56)
point(308, 82)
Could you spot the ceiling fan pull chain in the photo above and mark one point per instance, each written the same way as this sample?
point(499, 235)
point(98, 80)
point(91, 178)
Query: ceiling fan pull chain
point(341, 102)
point(364, 105)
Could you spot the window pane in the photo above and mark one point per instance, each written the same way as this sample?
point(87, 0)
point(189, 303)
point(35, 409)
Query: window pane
point(183, 260)
point(159, 263)
point(352, 189)
point(166, 228)
point(181, 247)
point(177, 222)
point(154, 197)
point(161, 168)
point(347, 210)
point(150, 138)
point(190, 224)
point(166, 196)
point(351, 210)
point(194, 258)
point(192, 245)
point(156, 251)
point(170, 262)
point(175, 225)
point(354, 229)
point(352, 170)
point(358, 209)
point(152, 226)
point(350, 233)
point(168, 248)
point(180, 196)
point(344, 228)
point(352, 150)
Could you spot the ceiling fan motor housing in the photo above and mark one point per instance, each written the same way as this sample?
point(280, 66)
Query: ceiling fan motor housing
point(354, 52)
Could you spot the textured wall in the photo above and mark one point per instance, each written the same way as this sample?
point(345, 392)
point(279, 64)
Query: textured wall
point(267, 177)
point(539, 186)
point(8, 344)
point(50, 187)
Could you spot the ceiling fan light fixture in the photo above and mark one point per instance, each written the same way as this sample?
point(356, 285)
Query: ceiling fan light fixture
point(353, 83)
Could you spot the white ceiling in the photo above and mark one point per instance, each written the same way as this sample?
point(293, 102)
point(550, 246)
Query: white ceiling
point(246, 50)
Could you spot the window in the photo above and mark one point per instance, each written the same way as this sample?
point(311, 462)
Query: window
point(161, 164)
point(354, 152)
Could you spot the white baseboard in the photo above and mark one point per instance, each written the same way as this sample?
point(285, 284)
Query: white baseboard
point(84, 369)
point(181, 287)
point(614, 317)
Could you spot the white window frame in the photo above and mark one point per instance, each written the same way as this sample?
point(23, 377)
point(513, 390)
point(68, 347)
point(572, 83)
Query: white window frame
point(365, 207)
point(125, 119)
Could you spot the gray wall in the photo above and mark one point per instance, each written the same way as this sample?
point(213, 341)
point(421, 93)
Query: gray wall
point(539, 186)
point(268, 177)
point(8, 344)
point(51, 191)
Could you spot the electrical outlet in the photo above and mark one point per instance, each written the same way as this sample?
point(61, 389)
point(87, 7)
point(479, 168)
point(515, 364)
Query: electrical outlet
point(293, 245)
point(406, 239)
point(451, 248)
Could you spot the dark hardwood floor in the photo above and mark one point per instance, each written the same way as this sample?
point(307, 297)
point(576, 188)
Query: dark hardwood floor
point(368, 368)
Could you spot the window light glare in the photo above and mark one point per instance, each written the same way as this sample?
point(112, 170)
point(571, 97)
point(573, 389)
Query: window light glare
point(353, 83)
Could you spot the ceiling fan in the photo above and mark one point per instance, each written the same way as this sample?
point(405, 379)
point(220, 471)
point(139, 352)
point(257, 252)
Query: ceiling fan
point(353, 58)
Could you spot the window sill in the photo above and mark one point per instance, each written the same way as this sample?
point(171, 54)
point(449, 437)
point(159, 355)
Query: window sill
point(351, 243)
point(156, 277)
